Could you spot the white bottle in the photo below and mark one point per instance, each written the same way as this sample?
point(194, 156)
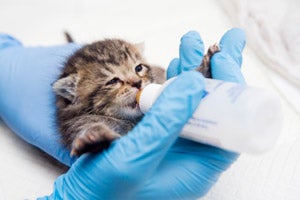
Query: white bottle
point(231, 116)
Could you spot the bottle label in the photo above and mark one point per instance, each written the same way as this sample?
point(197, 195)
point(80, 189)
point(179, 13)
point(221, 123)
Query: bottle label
point(201, 123)
point(232, 90)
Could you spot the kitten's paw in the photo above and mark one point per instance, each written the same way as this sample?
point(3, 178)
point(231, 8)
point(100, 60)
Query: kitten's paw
point(94, 139)
point(205, 67)
point(213, 49)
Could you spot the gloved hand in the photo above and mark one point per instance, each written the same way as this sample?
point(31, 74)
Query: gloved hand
point(145, 164)
point(27, 103)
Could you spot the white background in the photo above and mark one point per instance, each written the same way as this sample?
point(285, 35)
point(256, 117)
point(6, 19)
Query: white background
point(26, 174)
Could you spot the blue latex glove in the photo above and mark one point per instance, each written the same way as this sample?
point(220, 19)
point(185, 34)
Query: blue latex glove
point(26, 97)
point(144, 164)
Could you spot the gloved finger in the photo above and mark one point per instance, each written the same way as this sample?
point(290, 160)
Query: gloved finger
point(190, 54)
point(8, 41)
point(173, 68)
point(225, 65)
point(191, 51)
point(233, 43)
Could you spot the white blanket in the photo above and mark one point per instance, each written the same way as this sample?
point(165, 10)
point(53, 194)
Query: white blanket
point(273, 29)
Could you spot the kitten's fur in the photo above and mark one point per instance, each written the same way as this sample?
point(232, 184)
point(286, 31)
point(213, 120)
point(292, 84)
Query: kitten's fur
point(96, 93)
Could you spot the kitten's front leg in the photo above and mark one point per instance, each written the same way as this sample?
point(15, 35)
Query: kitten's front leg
point(92, 138)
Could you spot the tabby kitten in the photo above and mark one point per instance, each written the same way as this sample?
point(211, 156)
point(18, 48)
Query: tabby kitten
point(96, 93)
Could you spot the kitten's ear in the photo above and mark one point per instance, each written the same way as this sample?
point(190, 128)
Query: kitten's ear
point(140, 46)
point(66, 87)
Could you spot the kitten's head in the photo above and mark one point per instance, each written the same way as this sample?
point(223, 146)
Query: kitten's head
point(104, 77)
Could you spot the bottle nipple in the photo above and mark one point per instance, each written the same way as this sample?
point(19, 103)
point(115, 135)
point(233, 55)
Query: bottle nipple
point(138, 96)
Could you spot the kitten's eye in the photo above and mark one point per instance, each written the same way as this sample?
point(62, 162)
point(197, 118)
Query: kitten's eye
point(141, 70)
point(113, 81)
point(138, 68)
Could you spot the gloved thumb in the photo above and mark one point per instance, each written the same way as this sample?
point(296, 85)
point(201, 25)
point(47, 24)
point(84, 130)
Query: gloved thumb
point(149, 141)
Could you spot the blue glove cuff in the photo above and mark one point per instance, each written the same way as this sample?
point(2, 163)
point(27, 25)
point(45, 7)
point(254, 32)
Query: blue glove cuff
point(8, 41)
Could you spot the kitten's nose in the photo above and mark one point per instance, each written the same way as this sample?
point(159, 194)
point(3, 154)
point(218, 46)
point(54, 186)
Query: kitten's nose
point(137, 84)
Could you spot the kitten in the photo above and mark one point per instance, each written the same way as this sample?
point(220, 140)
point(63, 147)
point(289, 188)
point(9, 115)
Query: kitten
point(96, 93)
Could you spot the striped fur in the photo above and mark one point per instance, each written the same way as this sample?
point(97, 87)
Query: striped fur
point(96, 93)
